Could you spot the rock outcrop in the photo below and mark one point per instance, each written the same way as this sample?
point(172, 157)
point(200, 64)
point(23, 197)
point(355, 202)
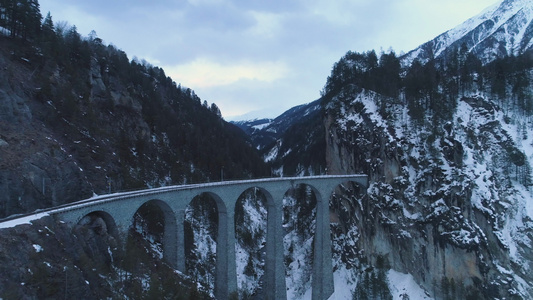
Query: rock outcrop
point(445, 208)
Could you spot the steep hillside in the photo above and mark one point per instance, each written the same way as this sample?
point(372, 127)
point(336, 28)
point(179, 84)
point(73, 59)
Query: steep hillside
point(265, 133)
point(449, 155)
point(50, 260)
point(77, 117)
point(292, 143)
point(453, 197)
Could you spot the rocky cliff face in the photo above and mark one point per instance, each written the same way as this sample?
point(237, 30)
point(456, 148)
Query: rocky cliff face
point(448, 208)
point(35, 168)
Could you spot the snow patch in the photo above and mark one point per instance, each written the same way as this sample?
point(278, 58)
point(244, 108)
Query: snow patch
point(272, 154)
point(344, 282)
point(401, 284)
point(21, 221)
point(261, 126)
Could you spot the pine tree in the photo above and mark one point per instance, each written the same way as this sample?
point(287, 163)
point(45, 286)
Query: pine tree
point(413, 90)
point(21, 18)
point(31, 19)
point(48, 26)
point(155, 291)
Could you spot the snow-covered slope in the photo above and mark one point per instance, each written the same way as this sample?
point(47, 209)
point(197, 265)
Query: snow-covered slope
point(505, 28)
point(265, 132)
point(450, 205)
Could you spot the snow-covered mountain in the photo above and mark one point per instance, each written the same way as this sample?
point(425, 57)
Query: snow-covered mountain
point(265, 132)
point(503, 29)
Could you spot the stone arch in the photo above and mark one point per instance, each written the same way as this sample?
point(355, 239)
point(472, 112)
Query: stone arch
point(342, 201)
point(97, 234)
point(301, 205)
point(208, 205)
point(160, 222)
point(253, 207)
point(221, 205)
point(269, 201)
point(304, 197)
point(100, 221)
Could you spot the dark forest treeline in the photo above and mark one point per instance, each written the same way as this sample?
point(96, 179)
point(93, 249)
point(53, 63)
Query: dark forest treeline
point(433, 87)
point(20, 18)
point(431, 90)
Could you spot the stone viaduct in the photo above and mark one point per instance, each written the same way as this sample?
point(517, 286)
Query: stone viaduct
point(118, 211)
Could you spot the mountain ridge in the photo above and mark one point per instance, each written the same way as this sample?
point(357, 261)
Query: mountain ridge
point(503, 29)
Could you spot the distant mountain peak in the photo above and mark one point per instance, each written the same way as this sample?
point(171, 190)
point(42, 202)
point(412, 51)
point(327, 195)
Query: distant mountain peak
point(503, 29)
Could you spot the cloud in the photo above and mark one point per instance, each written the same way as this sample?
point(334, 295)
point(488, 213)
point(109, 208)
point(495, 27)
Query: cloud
point(249, 54)
point(114, 8)
point(204, 73)
point(216, 16)
point(247, 95)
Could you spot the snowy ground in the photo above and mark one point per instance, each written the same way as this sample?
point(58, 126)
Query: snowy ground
point(401, 284)
point(344, 285)
point(25, 220)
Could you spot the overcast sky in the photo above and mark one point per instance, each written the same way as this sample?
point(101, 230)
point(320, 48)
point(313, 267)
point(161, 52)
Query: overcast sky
point(251, 55)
